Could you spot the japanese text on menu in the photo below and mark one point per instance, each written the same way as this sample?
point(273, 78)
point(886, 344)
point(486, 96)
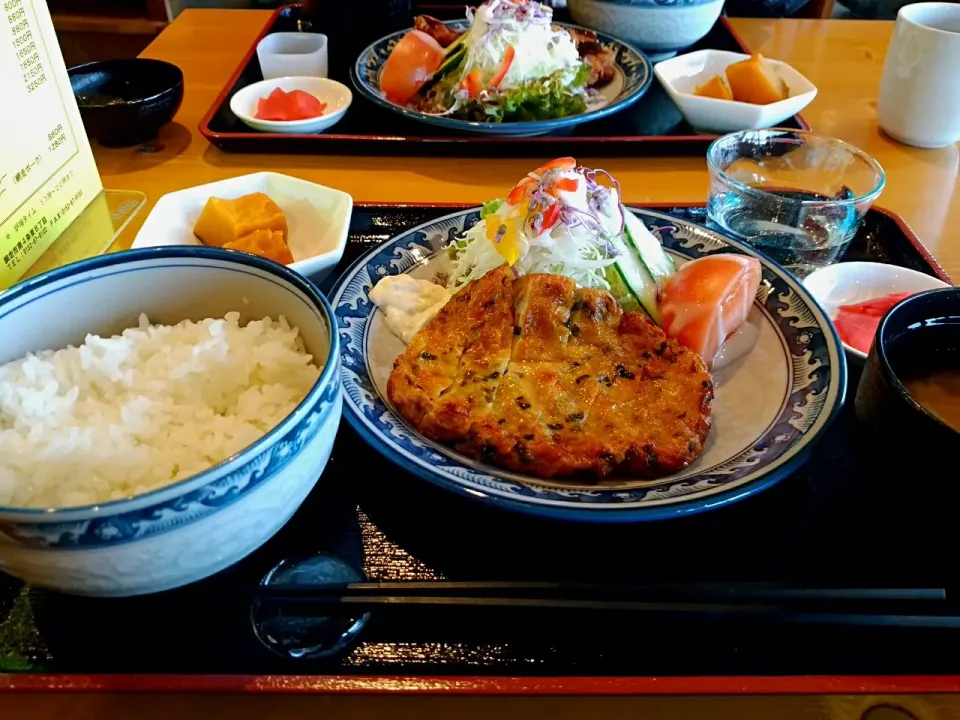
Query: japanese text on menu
point(40, 191)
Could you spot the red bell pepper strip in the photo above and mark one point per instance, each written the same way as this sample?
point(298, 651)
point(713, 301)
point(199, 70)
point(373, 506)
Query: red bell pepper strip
point(550, 217)
point(563, 184)
point(564, 163)
point(504, 67)
point(520, 191)
point(471, 83)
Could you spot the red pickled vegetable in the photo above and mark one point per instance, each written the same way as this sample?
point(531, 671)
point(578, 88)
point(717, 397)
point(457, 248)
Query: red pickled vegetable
point(286, 106)
point(857, 324)
point(877, 306)
point(856, 330)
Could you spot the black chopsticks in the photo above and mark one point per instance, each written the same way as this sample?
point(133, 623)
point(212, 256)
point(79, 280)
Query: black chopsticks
point(726, 602)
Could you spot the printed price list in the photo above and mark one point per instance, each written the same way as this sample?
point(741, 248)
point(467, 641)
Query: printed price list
point(44, 179)
point(34, 128)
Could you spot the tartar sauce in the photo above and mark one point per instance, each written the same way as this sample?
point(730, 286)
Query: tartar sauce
point(408, 303)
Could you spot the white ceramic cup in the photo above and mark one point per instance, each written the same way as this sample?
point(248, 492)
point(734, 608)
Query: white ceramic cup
point(293, 54)
point(919, 102)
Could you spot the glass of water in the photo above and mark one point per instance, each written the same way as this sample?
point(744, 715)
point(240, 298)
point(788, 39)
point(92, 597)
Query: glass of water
point(798, 197)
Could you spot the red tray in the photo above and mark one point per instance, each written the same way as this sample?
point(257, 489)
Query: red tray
point(198, 638)
point(652, 126)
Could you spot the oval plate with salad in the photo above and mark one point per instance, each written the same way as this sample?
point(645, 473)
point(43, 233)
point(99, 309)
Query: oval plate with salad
point(507, 69)
point(742, 372)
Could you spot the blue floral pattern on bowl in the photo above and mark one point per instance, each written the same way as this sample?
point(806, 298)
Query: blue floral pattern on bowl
point(176, 512)
point(658, 27)
point(815, 380)
point(634, 71)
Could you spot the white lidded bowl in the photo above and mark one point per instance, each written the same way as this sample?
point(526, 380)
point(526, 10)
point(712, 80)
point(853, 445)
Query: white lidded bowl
point(336, 95)
point(318, 217)
point(198, 526)
point(849, 283)
point(660, 28)
point(680, 77)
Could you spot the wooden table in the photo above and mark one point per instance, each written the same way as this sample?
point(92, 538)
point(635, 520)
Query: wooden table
point(844, 58)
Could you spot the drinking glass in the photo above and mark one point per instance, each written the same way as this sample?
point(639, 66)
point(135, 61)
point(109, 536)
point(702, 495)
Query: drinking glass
point(796, 196)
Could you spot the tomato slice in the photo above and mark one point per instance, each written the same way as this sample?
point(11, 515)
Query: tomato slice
point(413, 61)
point(708, 300)
point(567, 184)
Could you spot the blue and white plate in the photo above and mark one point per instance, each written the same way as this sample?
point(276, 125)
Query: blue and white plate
point(632, 79)
point(771, 404)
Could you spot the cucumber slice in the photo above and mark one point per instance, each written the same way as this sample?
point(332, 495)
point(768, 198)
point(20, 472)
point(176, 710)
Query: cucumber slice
point(621, 291)
point(658, 263)
point(638, 286)
point(457, 45)
point(450, 63)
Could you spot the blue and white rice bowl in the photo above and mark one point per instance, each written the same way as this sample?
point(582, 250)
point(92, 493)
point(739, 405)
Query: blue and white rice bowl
point(198, 526)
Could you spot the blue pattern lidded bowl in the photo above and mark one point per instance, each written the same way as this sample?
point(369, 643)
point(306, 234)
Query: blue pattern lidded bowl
point(198, 526)
point(660, 28)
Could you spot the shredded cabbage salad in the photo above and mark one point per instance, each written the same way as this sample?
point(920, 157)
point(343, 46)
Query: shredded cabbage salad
point(539, 50)
point(516, 67)
point(559, 219)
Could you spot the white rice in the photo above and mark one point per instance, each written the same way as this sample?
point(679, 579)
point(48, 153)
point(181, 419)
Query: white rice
point(119, 416)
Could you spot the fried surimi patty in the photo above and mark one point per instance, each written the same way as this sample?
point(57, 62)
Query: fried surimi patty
point(543, 378)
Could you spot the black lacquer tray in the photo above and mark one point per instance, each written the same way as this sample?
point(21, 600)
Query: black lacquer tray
point(840, 521)
point(652, 126)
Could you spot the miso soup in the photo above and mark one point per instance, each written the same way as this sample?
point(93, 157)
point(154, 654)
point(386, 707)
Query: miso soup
point(938, 392)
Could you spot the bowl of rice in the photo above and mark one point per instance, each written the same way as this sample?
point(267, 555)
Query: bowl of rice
point(163, 412)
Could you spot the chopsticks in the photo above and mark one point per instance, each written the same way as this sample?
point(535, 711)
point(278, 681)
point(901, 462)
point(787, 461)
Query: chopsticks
point(728, 602)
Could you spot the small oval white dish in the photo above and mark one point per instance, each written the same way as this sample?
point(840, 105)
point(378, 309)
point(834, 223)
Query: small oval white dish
point(849, 283)
point(337, 97)
point(680, 77)
point(318, 217)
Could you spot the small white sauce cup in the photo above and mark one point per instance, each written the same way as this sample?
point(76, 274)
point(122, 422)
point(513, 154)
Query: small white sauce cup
point(293, 54)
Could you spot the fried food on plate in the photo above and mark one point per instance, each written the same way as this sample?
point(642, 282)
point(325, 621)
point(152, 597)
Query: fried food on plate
point(538, 376)
point(437, 29)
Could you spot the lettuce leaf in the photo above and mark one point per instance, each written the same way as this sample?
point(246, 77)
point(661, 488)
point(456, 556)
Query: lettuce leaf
point(490, 207)
point(543, 99)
